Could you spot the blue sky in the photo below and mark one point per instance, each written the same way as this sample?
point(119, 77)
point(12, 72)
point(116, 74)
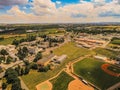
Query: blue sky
point(41, 11)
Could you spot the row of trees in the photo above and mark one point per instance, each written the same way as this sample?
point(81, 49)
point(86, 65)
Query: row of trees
point(28, 39)
point(4, 57)
point(22, 53)
point(93, 31)
point(12, 78)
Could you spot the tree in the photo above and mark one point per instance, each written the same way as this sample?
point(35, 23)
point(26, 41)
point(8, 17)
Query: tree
point(22, 71)
point(3, 52)
point(38, 56)
point(4, 86)
point(15, 42)
point(33, 66)
point(12, 78)
point(26, 62)
point(50, 43)
point(51, 51)
point(27, 70)
point(11, 75)
point(8, 60)
point(16, 86)
point(18, 69)
point(22, 53)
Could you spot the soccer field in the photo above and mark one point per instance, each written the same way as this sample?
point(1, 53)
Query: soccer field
point(90, 70)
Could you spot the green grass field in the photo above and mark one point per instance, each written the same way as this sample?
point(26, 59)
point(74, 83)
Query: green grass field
point(7, 41)
point(45, 86)
point(62, 81)
point(105, 52)
point(115, 41)
point(69, 49)
point(90, 70)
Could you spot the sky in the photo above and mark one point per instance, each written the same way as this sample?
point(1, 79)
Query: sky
point(59, 11)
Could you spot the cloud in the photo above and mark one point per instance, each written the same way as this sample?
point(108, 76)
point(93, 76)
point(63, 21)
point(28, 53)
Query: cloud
point(43, 7)
point(15, 11)
point(78, 16)
point(45, 11)
point(109, 14)
point(4, 3)
point(58, 2)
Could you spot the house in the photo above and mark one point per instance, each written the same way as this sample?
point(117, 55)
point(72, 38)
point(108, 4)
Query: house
point(44, 61)
point(31, 50)
point(100, 57)
point(59, 59)
point(30, 31)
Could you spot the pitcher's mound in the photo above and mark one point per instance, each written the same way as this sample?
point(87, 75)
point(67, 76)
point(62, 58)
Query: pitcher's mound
point(78, 85)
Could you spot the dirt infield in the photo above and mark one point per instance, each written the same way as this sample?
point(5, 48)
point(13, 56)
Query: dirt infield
point(78, 85)
point(105, 69)
point(44, 86)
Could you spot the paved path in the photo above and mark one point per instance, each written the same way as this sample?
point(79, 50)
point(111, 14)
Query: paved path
point(23, 85)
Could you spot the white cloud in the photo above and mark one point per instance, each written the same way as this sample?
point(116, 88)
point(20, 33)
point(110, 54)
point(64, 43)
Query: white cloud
point(58, 2)
point(46, 11)
point(43, 7)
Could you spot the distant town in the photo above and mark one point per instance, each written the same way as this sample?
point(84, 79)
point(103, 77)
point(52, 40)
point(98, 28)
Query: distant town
point(60, 56)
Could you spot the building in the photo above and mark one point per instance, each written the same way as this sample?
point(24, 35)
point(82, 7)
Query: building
point(44, 61)
point(58, 59)
point(100, 57)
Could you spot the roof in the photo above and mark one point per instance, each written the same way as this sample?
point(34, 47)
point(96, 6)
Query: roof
point(61, 58)
point(45, 59)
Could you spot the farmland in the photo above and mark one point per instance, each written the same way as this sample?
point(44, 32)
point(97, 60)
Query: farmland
point(90, 70)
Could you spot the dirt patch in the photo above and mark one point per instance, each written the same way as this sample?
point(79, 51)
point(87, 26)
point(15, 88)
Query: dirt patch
point(44, 86)
point(78, 85)
point(105, 69)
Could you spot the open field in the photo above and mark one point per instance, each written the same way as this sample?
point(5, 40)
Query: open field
point(73, 52)
point(105, 52)
point(13, 35)
point(115, 41)
point(62, 81)
point(9, 40)
point(90, 70)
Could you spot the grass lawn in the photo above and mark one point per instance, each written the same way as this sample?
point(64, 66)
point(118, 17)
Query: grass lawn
point(115, 41)
point(90, 70)
point(105, 52)
point(73, 52)
point(62, 81)
point(7, 41)
point(45, 86)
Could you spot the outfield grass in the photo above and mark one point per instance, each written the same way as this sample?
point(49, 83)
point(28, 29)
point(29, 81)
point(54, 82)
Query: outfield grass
point(7, 41)
point(69, 49)
point(62, 81)
point(90, 70)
